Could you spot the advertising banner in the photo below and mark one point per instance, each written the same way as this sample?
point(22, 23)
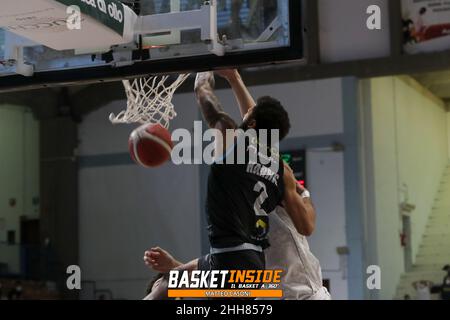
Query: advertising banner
point(426, 25)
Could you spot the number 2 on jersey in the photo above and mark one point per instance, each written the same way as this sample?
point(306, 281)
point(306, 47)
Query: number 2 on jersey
point(262, 190)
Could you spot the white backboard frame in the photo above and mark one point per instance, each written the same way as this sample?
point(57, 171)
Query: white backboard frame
point(172, 36)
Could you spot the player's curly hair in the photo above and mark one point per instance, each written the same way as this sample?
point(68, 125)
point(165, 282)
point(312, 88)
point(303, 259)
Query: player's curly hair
point(269, 114)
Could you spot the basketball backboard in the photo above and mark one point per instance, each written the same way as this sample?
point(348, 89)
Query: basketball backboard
point(250, 33)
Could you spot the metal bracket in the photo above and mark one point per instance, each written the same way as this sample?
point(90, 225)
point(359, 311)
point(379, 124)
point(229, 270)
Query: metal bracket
point(204, 19)
point(19, 64)
point(270, 30)
point(15, 56)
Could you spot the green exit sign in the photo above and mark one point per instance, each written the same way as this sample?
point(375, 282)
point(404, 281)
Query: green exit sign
point(287, 158)
point(297, 161)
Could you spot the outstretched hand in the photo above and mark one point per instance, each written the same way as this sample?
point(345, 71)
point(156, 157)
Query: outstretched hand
point(204, 78)
point(290, 182)
point(228, 74)
point(160, 260)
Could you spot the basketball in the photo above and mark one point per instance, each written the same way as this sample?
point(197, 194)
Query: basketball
point(150, 145)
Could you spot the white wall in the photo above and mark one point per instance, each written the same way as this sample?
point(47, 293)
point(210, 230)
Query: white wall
point(312, 112)
point(19, 176)
point(448, 132)
point(409, 147)
point(344, 34)
point(326, 183)
point(125, 209)
point(421, 133)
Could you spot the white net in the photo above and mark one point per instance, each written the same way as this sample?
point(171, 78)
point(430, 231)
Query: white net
point(149, 100)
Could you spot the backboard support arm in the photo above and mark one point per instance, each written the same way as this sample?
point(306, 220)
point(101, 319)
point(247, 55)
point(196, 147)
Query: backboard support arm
point(14, 47)
point(204, 19)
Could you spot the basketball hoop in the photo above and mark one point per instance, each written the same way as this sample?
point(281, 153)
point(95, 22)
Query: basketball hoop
point(149, 100)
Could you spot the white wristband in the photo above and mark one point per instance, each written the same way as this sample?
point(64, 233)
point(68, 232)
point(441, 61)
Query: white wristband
point(306, 194)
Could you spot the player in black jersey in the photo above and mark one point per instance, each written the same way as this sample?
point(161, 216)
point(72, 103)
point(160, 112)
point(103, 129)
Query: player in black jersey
point(241, 195)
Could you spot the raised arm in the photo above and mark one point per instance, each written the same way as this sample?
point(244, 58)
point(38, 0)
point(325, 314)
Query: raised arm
point(209, 103)
point(161, 261)
point(243, 96)
point(299, 208)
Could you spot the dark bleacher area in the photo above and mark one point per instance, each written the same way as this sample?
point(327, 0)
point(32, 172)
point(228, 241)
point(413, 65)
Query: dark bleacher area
point(13, 289)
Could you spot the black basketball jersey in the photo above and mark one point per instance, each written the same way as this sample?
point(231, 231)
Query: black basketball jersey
point(242, 195)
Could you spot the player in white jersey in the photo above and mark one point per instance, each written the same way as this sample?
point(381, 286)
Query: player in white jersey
point(289, 251)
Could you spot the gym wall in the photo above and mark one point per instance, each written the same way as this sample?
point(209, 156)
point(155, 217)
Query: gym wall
point(448, 131)
point(125, 209)
point(343, 36)
point(409, 146)
point(19, 177)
